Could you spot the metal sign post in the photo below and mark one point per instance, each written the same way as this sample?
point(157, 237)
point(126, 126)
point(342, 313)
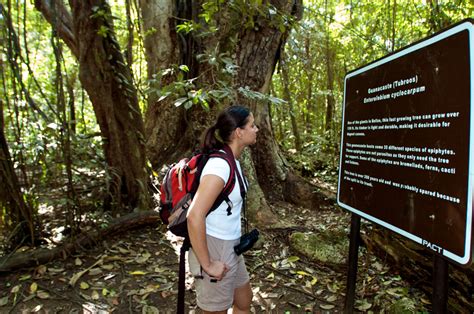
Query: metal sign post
point(352, 269)
point(440, 285)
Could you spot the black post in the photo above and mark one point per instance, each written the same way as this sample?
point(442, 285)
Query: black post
point(440, 285)
point(352, 267)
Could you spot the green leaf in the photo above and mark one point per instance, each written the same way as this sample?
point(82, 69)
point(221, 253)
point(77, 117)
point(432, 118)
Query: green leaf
point(293, 259)
point(184, 68)
point(103, 31)
point(188, 104)
point(84, 285)
point(4, 301)
point(33, 287)
point(180, 101)
point(302, 273)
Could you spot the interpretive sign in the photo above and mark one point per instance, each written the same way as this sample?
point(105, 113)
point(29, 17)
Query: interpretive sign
point(407, 142)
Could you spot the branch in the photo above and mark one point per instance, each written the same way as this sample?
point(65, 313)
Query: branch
point(61, 21)
point(86, 239)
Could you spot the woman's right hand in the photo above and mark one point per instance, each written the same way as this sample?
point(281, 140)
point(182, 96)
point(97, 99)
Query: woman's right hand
point(216, 270)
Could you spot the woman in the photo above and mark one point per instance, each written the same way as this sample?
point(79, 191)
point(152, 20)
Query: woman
point(222, 280)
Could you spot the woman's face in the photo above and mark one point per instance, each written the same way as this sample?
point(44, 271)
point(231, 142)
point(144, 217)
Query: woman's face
point(249, 131)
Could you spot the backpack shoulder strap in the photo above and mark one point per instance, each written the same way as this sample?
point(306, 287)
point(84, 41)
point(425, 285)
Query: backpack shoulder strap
point(228, 156)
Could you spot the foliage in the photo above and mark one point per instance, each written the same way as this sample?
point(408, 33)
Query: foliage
point(344, 35)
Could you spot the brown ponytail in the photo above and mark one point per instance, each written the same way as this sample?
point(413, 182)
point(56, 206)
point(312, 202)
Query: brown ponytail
point(228, 120)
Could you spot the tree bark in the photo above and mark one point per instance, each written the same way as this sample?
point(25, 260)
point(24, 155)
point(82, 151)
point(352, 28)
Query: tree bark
point(108, 82)
point(258, 52)
point(172, 132)
point(84, 240)
point(20, 213)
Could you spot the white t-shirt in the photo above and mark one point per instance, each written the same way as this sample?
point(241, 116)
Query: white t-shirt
point(218, 223)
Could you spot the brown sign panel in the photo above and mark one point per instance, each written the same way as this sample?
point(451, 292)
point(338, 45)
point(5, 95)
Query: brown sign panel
point(407, 142)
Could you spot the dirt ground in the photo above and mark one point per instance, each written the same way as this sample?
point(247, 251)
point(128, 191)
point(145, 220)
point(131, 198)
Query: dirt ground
point(136, 272)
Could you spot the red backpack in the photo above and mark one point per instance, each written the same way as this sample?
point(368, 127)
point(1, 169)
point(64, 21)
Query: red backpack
point(181, 182)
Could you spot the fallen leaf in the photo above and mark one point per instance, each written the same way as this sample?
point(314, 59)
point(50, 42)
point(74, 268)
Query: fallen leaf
point(78, 262)
point(25, 277)
point(55, 270)
point(123, 251)
point(364, 306)
point(33, 287)
point(37, 308)
point(78, 275)
point(31, 296)
point(4, 301)
point(95, 295)
point(108, 266)
point(326, 306)
point(147, 309)
point(271, 276)
point(41, 269)
point(85, 296)
point(42, 295)
point(293, 259)
point(166, 286)
point(84, 285)
point(16, 289)
point(143, 258)
point(137, 273)
point(302, 273)
point(331, 298)
point(95, 271)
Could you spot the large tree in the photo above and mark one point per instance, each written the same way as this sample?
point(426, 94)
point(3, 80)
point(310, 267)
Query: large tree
point(251, 34)
point(88, 31)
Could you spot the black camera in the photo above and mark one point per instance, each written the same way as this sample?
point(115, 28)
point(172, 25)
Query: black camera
point(246, 242)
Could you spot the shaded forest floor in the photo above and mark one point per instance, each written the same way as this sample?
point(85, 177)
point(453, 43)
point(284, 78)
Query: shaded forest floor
point(136, 272)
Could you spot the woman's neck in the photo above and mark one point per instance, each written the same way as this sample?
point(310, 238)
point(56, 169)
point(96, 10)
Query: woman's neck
point(236, 149)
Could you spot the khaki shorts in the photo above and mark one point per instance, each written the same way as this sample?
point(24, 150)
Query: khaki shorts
point(218, 296)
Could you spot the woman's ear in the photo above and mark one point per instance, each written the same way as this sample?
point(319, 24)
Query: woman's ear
point(238, 132)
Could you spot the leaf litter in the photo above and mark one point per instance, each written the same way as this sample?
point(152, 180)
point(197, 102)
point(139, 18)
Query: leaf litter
point(137, 272)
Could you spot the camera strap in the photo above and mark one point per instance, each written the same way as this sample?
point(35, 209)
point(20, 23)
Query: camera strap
point(243, 185)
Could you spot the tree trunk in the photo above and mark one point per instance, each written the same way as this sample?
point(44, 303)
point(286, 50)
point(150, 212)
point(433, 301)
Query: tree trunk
point(108, 82)
point(257, 54)
point(171, 132)
point(20, 214)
